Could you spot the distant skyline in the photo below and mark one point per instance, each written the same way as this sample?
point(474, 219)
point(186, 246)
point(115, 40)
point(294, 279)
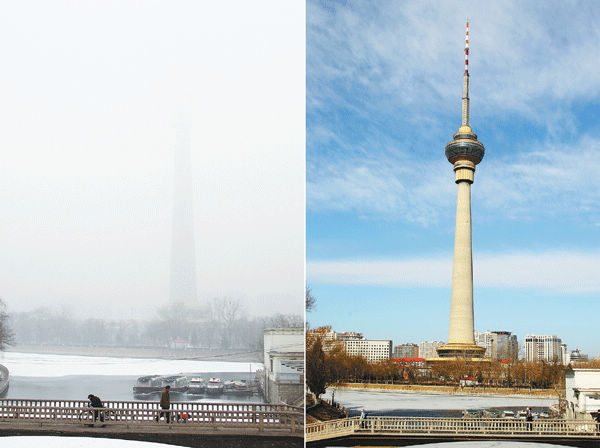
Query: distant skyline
point(383, 99)
point(92, 93)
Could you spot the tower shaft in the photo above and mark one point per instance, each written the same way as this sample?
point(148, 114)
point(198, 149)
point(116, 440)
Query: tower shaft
point(461, 307)
point(183, 247)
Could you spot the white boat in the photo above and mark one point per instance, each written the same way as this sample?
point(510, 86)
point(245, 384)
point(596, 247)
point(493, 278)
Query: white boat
point(508, 414)
point(197, 386)
point(214, 386)
point(147, 386)
point(179, 383)
point(237, 388)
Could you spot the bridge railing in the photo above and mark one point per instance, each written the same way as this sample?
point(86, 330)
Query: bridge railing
point(449, 426)
point(209, 406)
point(262, 417)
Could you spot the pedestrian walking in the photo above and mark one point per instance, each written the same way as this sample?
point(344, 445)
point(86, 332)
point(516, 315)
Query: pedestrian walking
point(165, 405)
point(597, 422)
point(363, 414)
point(96, 403)
point(529, 419)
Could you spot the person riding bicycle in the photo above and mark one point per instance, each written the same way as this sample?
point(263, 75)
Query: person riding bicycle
point(95, 402)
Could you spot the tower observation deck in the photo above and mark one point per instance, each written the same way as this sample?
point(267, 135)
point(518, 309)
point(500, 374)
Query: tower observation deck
point(464, 152)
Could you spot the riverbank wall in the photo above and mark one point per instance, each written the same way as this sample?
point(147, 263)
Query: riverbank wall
point(449, 390)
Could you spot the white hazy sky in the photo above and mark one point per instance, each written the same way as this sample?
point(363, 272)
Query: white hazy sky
point(90, 97)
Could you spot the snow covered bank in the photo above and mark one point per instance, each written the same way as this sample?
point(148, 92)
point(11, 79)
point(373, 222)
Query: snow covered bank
point(45, 365)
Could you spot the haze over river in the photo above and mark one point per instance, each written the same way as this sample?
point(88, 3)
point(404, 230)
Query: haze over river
point(49, 376)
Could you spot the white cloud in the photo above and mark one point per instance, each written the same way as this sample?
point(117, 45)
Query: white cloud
point(555, 272)
point(410, 55)
point(550, 180)
point(402, 62)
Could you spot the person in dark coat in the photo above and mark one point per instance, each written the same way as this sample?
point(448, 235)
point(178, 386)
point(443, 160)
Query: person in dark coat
point(528, 418)
point(165, 404)
point(95, 402)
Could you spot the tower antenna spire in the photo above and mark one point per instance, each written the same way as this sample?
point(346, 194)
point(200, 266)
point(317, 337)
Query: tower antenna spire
point(465, 99)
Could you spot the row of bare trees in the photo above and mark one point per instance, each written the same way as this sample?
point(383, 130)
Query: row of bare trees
point(328, 363)
point(222, 324)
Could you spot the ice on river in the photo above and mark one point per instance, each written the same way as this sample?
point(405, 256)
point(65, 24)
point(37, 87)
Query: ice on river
point(47, 365)
point(489, 444)
point(387, 401)
point(76, 442)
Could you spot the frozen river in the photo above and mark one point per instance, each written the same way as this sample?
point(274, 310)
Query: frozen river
point(47, 376)
point(424, 405)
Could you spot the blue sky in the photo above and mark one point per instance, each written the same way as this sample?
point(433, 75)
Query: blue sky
point(384, 83)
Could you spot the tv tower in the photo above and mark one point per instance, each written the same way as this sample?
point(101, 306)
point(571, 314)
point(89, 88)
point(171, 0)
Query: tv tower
point(464, 152)
point(183, 247)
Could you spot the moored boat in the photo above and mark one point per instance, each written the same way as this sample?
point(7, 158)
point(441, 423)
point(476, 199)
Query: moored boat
point(179, 383)
point(147, 386)
point(236, 388)
point(197, 386)
point(471, 413)
point(214, 386)
point(491, 413)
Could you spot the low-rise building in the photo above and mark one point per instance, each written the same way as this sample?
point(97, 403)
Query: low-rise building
point(582, 393)
point(370, 349)
point(284, 365)
point(576, 356)
point(355, 344)
point(406, 351)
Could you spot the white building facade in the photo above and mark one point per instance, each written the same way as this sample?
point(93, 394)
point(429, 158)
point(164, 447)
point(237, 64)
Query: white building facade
point(582, 392)
point(543, 348)
point(355, 344)
point(284, 365)
point(370, 349)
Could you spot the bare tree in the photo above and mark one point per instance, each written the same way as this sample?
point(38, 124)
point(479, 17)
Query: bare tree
point(226, 310)
point(6, 334)
point(284, 321)
point(309, 300)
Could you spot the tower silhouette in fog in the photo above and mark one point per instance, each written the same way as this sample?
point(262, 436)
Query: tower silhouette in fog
point(183, 245)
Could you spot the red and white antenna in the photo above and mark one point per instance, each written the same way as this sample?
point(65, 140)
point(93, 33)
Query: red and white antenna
point(465, 99)
point(467, 49)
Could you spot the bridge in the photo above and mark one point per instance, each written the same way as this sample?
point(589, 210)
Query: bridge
point(191, 424)
point(404, 431)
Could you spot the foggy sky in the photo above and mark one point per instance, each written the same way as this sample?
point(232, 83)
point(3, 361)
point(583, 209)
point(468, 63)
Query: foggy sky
point(91, 96)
